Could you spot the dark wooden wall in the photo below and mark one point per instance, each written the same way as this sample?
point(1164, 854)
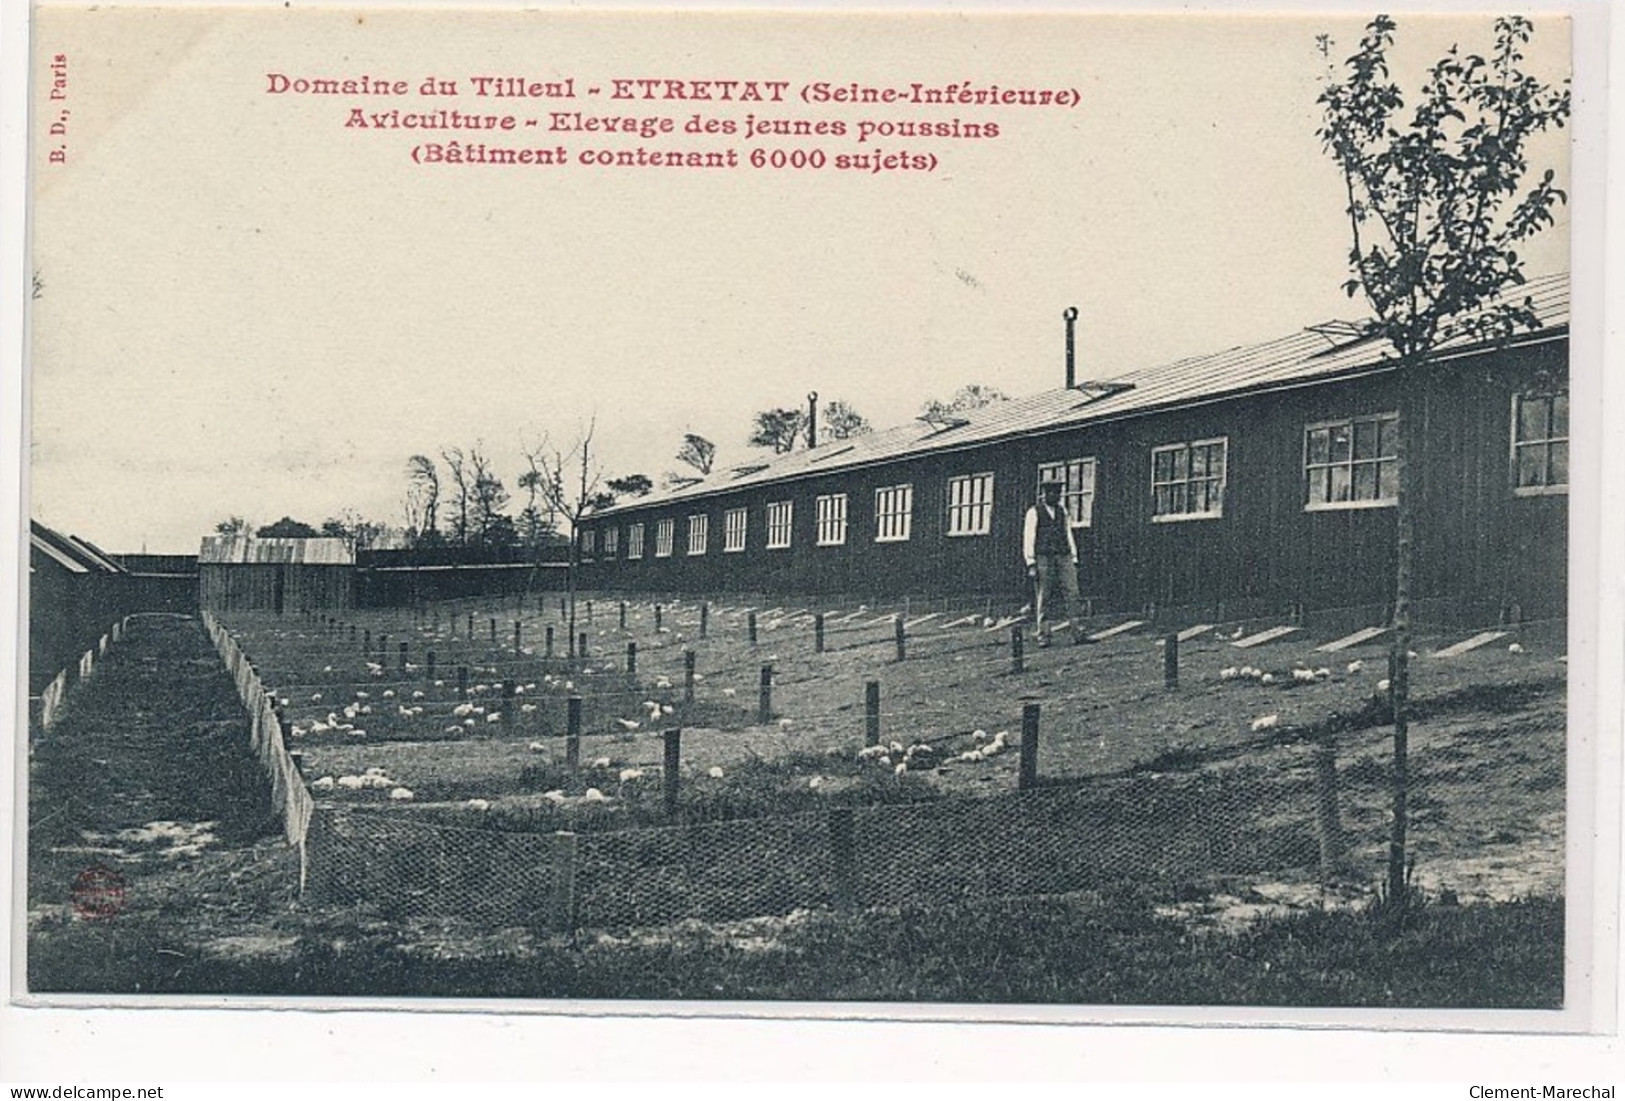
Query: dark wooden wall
point(1481, 548)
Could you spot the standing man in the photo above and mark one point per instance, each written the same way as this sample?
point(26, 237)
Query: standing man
point(1052, 558)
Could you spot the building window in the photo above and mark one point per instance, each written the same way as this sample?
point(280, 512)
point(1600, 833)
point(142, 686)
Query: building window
point(589, 544)
point(698, 528)
point(1078, 488)
point(778, 524)
point(1187, 480)
point(634, 540)
point(1351, 463)
point(734, 523)
point(970, 504)
point(665, 530)
point(894, 513)
point(832, 520)
point(1540, 443)
point(612, 542)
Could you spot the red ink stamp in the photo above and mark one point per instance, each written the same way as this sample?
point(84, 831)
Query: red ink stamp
point(98, 893)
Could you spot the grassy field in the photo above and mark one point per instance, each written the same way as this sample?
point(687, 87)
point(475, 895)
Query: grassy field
point(210, 902)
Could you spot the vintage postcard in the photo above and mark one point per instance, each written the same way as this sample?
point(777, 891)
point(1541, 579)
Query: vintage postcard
point(1068, 516)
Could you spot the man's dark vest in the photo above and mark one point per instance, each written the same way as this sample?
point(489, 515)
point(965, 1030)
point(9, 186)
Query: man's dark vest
point(1052, 532)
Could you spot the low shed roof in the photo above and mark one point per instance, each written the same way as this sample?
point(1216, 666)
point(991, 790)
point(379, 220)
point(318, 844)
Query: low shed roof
point(1316, 353)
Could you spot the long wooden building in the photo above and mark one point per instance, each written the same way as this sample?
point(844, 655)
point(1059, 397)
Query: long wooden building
point(1248, 482)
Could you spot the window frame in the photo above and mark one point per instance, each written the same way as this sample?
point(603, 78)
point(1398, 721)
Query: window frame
point(905, 513)
point(777, 531)
point(969, 508)
point(612, 542)
point(665, 536)
point(729, 545)
point(831, 513)
point(1545, 489)
point(1223, 480)
point(634, 542)
point(1079, 518)
point(589, 544)
point(1351, 463)
point(698, 524)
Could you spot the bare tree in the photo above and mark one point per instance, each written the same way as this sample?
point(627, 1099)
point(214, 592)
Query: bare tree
point(488, 498)
point(461, 480)
point(422, 495)
point(1437, 209)
point(698, 452)
point(573, 485)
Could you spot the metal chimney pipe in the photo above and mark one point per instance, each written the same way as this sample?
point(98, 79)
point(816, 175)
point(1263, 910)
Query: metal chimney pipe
point(1071, 316)
point(812, 419)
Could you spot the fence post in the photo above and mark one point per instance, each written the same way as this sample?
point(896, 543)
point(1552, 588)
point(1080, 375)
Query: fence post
point(818, 633)
point(673, 765)
point(1329, 827)
point(871, 713)
point(561, 608)
point(562, 906)
point(430, 664)
point(1018, 658)
point(403, 657)
point(462, 682)
point(623, 615)
point(688, 676)
point(764, 698)
point(631, 658)
point(843, 852)
point(548, 651)
point(1170, 660)
point(352, 634)
point(581, 650)
point(589, 613)
point(657, 617)
point(471, 626)
point(507, 701)
point(383, 649)
point(366, 640)
point(493, 630)
point(518, 638)
point(902, 646)
point(750, 627)
point(705, 618)
point(1029, 747)
point(572, 733)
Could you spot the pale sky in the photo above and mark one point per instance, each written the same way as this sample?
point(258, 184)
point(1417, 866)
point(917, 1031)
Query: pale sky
point(247, 309)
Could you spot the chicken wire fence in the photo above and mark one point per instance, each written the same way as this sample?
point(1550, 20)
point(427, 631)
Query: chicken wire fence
point(1156, 829)
point(289, 795)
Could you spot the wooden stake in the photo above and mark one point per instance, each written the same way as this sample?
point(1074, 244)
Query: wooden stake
point(764, 699)
point(902, 645)
point(462, 682)
point(631, 658)
point(871, 713)
point(688, 676)
point(818, 633)
point(1029, 747)
point(673, 766)
point(705, 618)
point(1018, 660)
point(572, 733)
point(562, 904)
point(750, 627)
point(548, 651)
point(843, 851)
point(1170, 661)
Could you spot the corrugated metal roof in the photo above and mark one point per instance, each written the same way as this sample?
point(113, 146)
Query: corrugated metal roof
point(1312, 354)
point(324, 551)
